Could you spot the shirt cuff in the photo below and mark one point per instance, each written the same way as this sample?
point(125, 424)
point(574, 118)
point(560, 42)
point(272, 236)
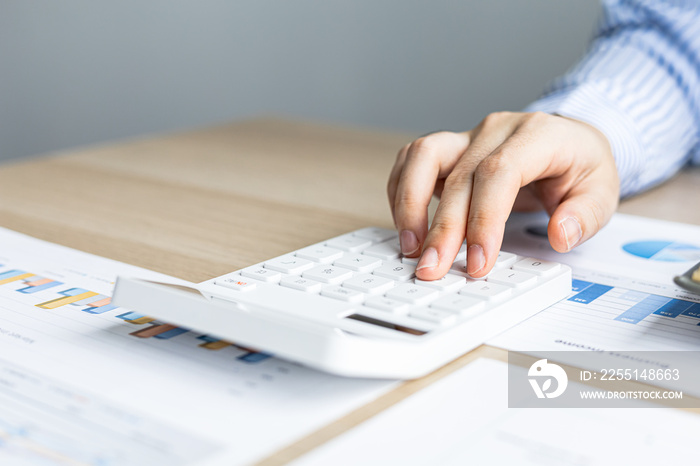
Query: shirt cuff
point(587, 103)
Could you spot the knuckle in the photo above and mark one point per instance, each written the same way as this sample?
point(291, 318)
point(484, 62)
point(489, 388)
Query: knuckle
point(492, 166)
point(424, 145)
point(495, 119)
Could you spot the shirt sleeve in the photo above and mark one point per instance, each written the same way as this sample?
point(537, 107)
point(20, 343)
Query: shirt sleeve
point(639, 84)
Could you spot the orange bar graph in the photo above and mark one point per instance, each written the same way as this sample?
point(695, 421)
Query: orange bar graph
point(101, 302)
point(42, 281)
point(215, 345)
point(58, 302)
point(16, 278)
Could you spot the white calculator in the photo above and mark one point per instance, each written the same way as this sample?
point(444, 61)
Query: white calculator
point(352, 306)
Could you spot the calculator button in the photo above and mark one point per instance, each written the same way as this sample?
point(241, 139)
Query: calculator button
point(370, 284)
point(289, 264)
point(322, 254)
point(413, 294)
point(328, 274)
point(387, 304)
point(486, 290)
point(396, 271)
point(262, 274)
point(377, 235)
point(342, 293)
point(349, 243)
point(303, 284)
point(410, 260)
point(538, 267)
point(436, 316)
point(459, 304)
point(236, 282)
point(358, 262)
point(505, 259)
point(512, 278)
point(450, 282)
point(388, 250)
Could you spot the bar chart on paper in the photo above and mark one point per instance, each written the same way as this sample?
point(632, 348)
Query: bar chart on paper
point(598, 316)
point(52, 295)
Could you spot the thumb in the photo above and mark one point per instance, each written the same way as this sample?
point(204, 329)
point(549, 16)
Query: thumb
point(581, 214)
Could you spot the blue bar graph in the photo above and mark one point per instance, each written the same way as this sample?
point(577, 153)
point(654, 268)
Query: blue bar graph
point(693, 311)
point(673, 308)
point(34, 289)
point(590, 293)
point(100, 310)
point(579, 285)
point(11, 273)
point(73, 291)
point(131, 316)
point(252, 358)
point(643, 309)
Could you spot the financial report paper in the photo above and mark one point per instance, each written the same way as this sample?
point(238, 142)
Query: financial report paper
point(85, 382)
point(623, 296)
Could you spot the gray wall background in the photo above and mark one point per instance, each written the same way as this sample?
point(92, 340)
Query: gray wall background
point(79, 72)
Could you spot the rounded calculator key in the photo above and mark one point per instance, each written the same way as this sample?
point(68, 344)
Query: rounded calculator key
point(375, 234)
point(491, 292)
point(322, 254)
point(358, 262)
point(395, 270)
point(303, 284)
point(388, 250)
point(512, 278)
point(262, 274)
point(450, 282)
point(289, 264)
point(414, 294)
point(459, 304)
point(342, 293)
point(536, 266)
point(236, 282)
point(505, 259)
point(328, 274)
point(368, 283)
point(349, 243)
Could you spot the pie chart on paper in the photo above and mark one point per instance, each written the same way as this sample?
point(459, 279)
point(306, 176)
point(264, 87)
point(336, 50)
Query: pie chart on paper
point(664, 251)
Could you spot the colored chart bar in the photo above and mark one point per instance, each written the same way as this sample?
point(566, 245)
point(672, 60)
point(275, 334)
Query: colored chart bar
point(674, 308)
point(141, 320)
point(693, 311)
point(39, 285)
point(100, 309)
point(590, 293)
point(58, 302)
point(252, 358)
point(215, 345)
point(130, 316)
point(13, 277)
point(153, 330)
point(643, 309)
point(579, 285)
point(171, 333)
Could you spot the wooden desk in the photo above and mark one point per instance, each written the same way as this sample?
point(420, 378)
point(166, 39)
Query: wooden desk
point(200, 204)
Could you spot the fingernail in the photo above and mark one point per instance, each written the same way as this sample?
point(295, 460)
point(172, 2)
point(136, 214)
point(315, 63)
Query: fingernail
point(409, 242)
point(428, 260)
point(572, 231)
point(475, 259)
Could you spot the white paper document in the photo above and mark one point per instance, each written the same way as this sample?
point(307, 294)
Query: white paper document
point(464, 419)
point(623, 296)
point(83, 382)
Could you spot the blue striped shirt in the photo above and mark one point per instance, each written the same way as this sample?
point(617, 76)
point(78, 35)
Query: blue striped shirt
point(639, 84)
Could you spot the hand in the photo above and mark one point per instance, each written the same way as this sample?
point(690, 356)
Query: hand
point(525, 161)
